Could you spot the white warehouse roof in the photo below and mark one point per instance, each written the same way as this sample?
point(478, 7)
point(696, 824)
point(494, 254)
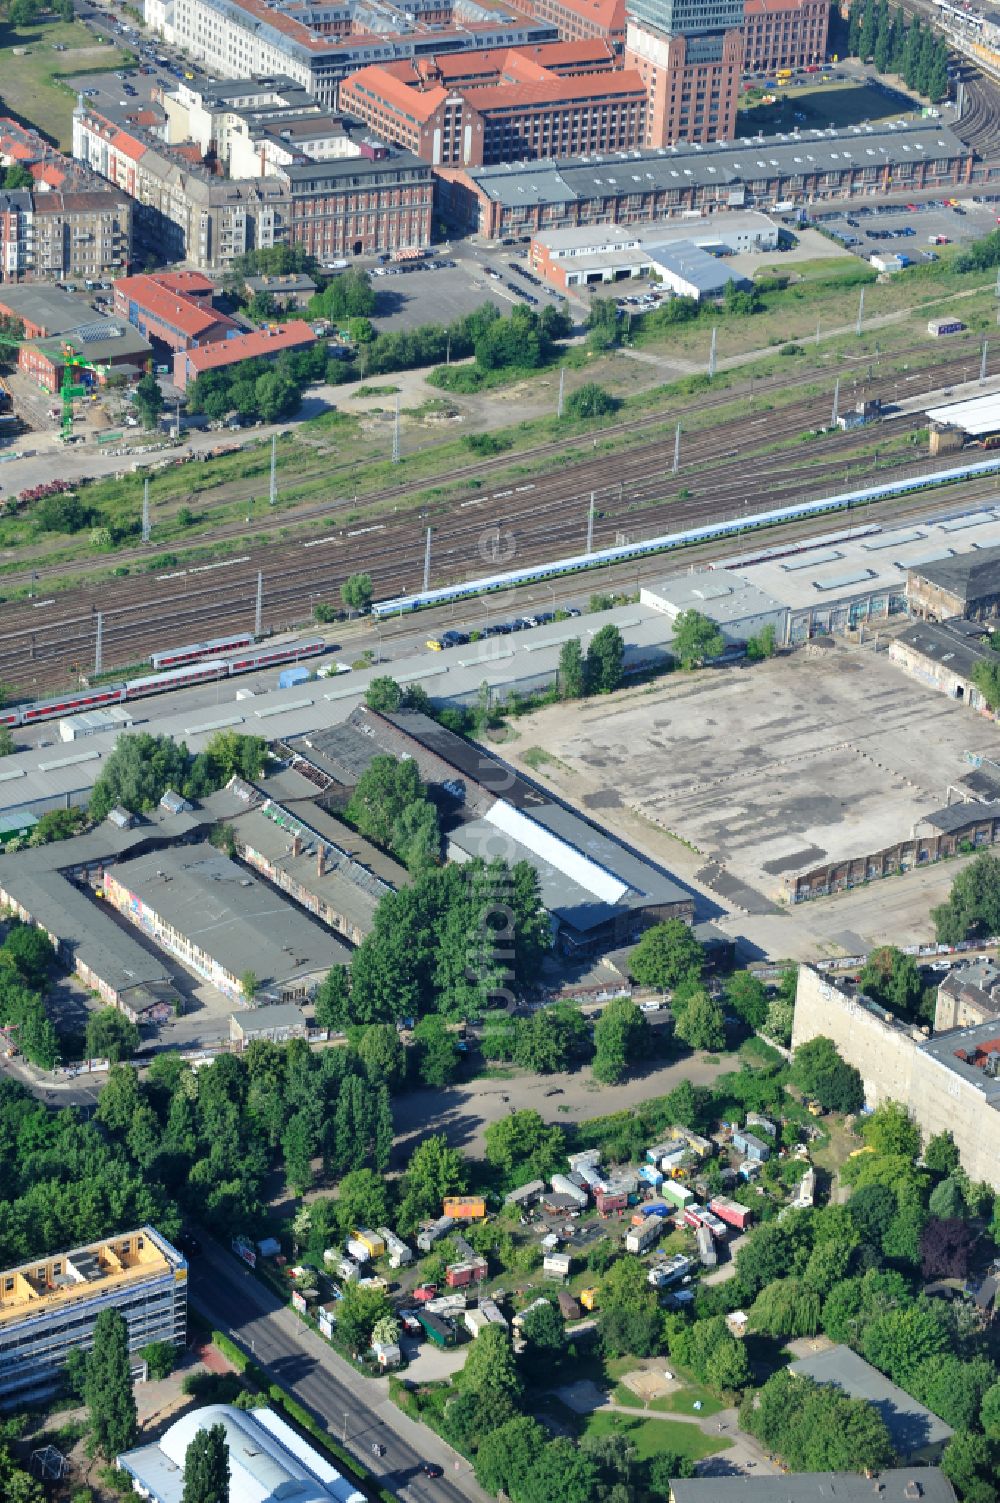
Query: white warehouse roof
point(976, 416)
point(267, 1460)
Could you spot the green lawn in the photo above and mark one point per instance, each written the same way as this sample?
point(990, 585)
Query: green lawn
point(823, 104)
point(30, 84)
point(682, 1401)
point(651, 1436)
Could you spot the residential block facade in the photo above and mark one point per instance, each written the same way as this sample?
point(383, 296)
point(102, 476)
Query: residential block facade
point(48, 1307)
point(784, 34)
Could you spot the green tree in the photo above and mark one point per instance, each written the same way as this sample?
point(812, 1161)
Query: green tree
point(490, 1367)
point(941, 1155)
point(700, 1021)
point(748, 998)
point(108, 1387)
point(383, 694)
point(436, 1058)
point(818, 1070)
point(332, 1003)
point(249, 985)
point(434, 1171)
point(891, 1130)
point(545, 1332)
point(29, 953)
point(506, 1457)
point(973, 906)
point(947, 1201)
point(17, 175)
point(562, 1472)
point(667, 955)
point(621, 1036)
point(110, 1035)
point(572, 670)
point(524, 1147)
point(416, 835)
point(589, 401)
point(605, 656)
point(787, 1307)
point(696, 639)
point(358, 1313)
point(386, 788)
point(159, 1357)
point(381, 1051)
point(206, 1467)
point(149, 400)
point(356, 592)
point(361, 1201)
point(137, 774)
point(893, 980)
point(629, 1317)
point(971, 1463)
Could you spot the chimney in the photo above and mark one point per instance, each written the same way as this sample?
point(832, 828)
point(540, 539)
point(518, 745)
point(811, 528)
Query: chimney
point(296, 845)
point(320, 860)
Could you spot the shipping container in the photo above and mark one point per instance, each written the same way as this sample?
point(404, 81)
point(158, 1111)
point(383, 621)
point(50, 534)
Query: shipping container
point(441, 1332)
point(588, 1298)
point(677, 1195)
point(609, 1201)
point(357, 1250)
point(731, 1211)
point(464, 1207)
point(289, 677)
point(374, 1242)
point(650, 1175)
point(641, 1238)
point(706, 1247)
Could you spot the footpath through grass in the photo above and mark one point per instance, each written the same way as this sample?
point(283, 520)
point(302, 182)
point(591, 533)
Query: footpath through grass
point(653, 1436)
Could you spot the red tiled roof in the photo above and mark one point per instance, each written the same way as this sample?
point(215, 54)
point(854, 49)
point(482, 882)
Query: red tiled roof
point(556, 90)
point(168, 303)
point(246, 346)
point(48, 173)
point(607, 13)
point(419, 104)
point(587, 50)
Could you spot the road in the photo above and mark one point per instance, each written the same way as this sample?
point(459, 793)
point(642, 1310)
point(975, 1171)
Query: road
point(357, 1411)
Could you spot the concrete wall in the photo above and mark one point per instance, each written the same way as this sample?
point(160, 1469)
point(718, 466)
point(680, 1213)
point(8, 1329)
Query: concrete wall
point(894, 1066)
point(882, 1051)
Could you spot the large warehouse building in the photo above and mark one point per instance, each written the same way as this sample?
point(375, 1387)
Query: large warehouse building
point(268, 1460)
point(197, 904)
point(803, 167)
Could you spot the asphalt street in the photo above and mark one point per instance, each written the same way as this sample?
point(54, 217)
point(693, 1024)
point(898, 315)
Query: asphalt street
point(357, 1411)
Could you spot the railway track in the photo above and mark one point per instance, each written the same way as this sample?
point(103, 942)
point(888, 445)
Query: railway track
point(635, 491)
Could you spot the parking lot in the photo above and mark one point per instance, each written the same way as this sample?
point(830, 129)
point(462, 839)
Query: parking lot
point(405, 299)
point(874, 229)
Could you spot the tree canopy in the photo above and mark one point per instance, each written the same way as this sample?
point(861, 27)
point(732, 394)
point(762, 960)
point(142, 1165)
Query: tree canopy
point(973, 905)
point(819, 1071)
point(667, 955)
point(696, 639)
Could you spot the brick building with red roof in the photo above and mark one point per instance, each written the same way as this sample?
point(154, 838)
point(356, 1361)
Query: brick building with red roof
point(174, 308)
point(262, 344)
point(515, 105)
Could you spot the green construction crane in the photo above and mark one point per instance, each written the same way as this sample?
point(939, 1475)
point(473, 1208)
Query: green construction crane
point(72, 386)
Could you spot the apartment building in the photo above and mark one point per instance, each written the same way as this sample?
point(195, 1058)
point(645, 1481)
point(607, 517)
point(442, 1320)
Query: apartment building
point(48, 1307)
point(375, 200)
point(83, 236)
point(784, 34)
point(525, 112)
point(320, 47)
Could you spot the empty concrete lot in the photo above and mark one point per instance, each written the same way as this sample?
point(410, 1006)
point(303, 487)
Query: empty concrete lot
point(773, 769)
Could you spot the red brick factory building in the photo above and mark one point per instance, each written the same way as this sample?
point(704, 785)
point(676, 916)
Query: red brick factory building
point(518, 105)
